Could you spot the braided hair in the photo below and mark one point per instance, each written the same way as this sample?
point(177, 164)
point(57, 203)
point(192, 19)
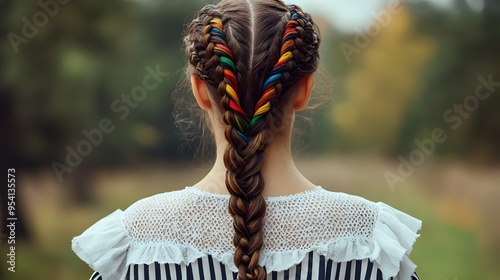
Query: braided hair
point(250, 54)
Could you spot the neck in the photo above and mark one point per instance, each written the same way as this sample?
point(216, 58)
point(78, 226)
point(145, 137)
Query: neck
point(281, 177)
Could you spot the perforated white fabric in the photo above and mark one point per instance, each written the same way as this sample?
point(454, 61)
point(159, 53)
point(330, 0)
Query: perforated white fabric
point(199, 219)
point(182, 226)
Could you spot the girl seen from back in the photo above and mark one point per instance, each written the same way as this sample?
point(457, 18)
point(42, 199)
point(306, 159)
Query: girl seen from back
point(254, 215)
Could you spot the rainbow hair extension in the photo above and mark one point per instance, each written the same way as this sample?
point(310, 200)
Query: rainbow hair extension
point(269, 88)
point(226, 60)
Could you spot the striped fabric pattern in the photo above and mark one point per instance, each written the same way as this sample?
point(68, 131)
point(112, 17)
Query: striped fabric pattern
point(314, 267)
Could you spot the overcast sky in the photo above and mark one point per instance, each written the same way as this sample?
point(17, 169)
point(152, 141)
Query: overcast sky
point(352, 15)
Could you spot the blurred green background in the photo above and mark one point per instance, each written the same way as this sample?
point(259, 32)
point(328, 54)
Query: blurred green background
point(409, 115)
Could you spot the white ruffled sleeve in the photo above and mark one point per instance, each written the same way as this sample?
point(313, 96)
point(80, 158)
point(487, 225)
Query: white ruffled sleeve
point(104, 246)
point(394, 234)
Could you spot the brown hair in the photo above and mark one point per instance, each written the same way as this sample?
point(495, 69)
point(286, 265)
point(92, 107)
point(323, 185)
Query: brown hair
point(250, 54)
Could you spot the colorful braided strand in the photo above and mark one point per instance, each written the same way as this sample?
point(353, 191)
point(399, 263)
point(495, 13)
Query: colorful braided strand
point(269, 89)
point(226, 59)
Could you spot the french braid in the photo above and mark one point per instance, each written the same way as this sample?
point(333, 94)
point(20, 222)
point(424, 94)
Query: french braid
point(272, 88)
point(218, 50)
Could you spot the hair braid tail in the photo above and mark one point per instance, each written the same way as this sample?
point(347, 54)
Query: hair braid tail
point(243, 162)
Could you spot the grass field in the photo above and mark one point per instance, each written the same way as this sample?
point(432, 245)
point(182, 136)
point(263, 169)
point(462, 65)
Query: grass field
point(454, 201)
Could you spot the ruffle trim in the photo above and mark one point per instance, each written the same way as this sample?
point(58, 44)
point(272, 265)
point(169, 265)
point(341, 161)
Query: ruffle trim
point(107, 248)
point(104, 246)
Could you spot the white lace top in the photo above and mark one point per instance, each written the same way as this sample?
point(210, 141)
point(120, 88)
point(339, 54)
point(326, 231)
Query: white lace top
point(180, 227)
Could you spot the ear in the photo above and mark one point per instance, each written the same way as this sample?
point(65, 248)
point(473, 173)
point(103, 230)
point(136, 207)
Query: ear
point(201, 93)
point(304, 88)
